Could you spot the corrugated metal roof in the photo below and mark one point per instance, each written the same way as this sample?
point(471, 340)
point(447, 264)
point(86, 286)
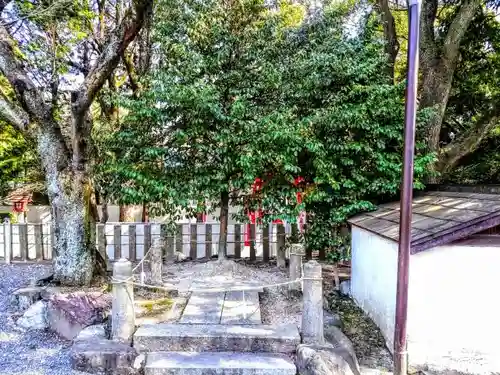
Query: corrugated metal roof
point(438, 218)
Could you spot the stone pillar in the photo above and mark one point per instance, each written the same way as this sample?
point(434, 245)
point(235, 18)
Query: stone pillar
point(156, 255)
point(123, 314)
point(7, 240)
point(312, 314)
point(295, 271)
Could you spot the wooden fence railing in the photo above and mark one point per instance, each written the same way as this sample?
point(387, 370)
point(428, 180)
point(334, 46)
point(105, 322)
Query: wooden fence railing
point(33, 242)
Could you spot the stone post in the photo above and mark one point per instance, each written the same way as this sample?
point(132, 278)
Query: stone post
point(156, 255)
point(7, 240)
point(123, 314)
point(295, 271)
point(312, 314)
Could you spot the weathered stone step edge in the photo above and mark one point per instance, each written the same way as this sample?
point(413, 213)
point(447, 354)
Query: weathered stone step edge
point(222, 363)
point(171, 337)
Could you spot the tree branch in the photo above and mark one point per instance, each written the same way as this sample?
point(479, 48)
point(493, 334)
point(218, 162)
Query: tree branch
point(468, 142)
point(27, 94)
point(458, 28)
point(12, 114)
point(132, 76)
point(114, 47)
point(390, 35)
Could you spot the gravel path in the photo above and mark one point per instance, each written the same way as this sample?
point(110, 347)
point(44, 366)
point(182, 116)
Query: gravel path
point(34, 352)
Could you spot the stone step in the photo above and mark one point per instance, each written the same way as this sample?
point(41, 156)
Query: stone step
point(171, 337)
point(222, 363)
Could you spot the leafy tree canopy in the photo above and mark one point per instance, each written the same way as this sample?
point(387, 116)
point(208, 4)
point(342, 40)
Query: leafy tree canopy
point(242, 92)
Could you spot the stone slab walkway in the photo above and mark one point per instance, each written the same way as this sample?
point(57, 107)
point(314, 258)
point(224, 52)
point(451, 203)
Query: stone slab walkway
point(222, 308)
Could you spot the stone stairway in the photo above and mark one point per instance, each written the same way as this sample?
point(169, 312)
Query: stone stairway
point(218, 334)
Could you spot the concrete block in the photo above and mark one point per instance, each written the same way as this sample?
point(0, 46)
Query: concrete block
point(104, 356)
point(223, 363)
point(203, 308)
point(241, 308)
point(216, 338)
point(23, 298)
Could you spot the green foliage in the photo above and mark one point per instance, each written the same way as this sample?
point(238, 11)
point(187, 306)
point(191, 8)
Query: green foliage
point(242, 92)
point(16, 158)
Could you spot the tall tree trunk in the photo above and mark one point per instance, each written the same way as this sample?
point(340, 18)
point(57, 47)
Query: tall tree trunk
point(390, 35)
point(105, 211)
point(145, 215)
point(223, 218)
point(70, 193)
point(438, 62)
point(127, 213)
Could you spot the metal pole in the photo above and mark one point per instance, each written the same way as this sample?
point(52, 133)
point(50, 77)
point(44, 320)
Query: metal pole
point(400, 344)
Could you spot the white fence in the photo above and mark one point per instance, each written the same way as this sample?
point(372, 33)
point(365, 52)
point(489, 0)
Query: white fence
point(33, 242)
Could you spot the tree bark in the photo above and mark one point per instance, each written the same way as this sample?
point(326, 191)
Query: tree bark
point(438, 63)
point(223, 218)
point(105, 211)
point(145, 214)
point(69, 187)
point(127, 213)
point(390, 35)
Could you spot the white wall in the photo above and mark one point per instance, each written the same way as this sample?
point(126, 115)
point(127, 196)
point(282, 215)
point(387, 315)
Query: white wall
point(454, 306)
point(373, 278)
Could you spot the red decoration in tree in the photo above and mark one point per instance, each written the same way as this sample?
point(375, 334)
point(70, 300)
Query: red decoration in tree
point(20, 206)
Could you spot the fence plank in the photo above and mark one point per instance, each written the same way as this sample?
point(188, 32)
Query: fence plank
point(170, 247)
point(132, 242)
point(237, 241)
point(7, 241)
point(38, 242)
point(23, 241)
point(281, 253)
point(101, 239)
point(194, 234)
point(163, 236)
point(178, 238)
point(208, 241)
point(265, 243)
point(117, 240)
point(147, 238)
point(253, 232)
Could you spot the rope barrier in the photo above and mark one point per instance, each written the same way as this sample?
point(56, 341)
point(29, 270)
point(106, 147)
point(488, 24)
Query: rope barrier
point(216, 290)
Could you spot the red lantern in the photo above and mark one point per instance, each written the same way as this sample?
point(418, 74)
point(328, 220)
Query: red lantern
point(19, 206)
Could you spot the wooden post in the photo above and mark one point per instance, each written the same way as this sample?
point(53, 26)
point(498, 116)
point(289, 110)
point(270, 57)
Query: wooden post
point(208, 241)
point(117, 239)
point(295, 271)
point(265, 243)
point(237, 241)
point(193, 253)
point(132, 242)
point(23, 241)
point(312, 311)
point(156, 256)
point(7, 240)
point(253, 255)
point(178, 239)
point(38, 242)
point(163, 236)
point(147, 237)
point(123, 315)
point(281, 252)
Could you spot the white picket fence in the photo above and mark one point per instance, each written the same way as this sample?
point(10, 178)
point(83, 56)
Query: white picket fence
point(33, 242)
